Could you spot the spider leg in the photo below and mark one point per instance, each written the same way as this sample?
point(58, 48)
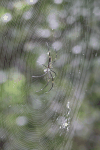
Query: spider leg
point(50, 70)
point(52, 83)
point(44, 66)
point(53, 72)
point(44, 86)
point(50, 58)
point(41, 75)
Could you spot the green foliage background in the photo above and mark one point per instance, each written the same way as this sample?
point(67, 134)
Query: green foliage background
point(68, 117)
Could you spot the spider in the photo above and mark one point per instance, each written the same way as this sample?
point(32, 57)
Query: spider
point(48, 70)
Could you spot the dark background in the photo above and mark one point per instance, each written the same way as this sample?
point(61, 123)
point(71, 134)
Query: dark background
point(67, 117)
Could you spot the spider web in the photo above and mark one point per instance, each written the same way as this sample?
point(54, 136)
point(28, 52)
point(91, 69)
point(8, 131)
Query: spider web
point(37, 120)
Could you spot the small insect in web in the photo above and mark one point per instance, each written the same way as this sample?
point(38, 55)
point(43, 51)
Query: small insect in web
point(48, 71)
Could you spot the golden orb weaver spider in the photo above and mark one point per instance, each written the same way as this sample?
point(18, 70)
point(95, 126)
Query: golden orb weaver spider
point(48, 71)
